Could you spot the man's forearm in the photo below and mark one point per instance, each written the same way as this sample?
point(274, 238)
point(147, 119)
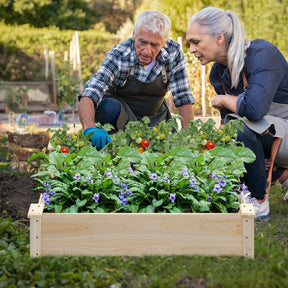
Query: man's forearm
point(86, 112)
point(187, 114)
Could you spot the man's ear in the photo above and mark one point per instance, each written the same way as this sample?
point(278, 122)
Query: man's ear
point(133, 36)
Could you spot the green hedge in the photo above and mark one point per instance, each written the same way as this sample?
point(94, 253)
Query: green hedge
point(22, 50)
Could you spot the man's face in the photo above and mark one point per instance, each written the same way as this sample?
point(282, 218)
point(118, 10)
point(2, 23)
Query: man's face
point(147, 45)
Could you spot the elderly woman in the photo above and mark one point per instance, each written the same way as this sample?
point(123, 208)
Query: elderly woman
point(251, 80)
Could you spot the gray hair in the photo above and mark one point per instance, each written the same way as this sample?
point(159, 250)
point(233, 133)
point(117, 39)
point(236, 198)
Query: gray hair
point(215, 21)
point(154, 21)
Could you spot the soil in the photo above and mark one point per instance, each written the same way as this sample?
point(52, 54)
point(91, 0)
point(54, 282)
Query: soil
point(16, 195)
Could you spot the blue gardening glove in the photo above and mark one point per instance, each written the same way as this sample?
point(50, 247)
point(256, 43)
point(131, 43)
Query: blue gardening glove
point(99, 137)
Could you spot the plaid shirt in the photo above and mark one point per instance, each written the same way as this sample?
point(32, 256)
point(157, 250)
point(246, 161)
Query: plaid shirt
point(116, 68)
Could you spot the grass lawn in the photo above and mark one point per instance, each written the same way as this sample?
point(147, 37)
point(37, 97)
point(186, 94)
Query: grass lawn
point(268, 269)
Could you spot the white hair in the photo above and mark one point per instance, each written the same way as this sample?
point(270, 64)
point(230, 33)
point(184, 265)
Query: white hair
point(215, 21)
point(154, 21)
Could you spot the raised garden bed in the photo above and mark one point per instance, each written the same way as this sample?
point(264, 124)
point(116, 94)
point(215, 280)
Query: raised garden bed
point(137, 234)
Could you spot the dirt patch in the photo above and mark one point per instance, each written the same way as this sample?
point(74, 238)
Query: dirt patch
point(16, 195)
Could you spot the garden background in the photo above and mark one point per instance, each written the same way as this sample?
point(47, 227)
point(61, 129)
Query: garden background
point(27, 29)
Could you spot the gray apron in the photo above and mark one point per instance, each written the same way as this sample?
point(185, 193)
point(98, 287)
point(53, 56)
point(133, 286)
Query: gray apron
point(277, 117)
point(139, 99)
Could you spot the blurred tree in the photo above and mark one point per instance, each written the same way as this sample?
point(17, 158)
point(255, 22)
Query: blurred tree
point(65, 14)
point(115, 13)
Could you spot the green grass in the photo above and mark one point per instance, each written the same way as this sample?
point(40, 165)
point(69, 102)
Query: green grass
point(268, 269)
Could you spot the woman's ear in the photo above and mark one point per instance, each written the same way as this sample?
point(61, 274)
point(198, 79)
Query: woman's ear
point(220, 39)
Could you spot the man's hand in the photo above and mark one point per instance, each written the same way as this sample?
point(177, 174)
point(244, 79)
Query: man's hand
point(99, 137)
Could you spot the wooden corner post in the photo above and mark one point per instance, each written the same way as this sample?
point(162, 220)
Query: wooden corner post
point(248, 215)
point(35, 215)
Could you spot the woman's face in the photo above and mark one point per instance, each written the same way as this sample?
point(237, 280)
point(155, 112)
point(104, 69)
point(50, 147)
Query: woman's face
point(204, 47)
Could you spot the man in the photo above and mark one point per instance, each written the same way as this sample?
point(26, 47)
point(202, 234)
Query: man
point(133, 79)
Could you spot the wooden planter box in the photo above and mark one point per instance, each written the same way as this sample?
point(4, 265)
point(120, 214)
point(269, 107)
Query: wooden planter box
point(135, 234)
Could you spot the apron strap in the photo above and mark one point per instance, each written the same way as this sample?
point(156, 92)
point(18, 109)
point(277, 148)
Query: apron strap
point(164, 75)
point(274, 149)
point(245, 83)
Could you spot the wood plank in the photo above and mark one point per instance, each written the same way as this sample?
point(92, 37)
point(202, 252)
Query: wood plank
point(142, 234)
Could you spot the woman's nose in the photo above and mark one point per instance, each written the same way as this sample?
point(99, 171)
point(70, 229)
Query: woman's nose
point(192, 49)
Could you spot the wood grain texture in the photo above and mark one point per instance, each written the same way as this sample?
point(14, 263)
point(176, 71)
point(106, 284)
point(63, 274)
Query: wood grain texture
point(144, 234)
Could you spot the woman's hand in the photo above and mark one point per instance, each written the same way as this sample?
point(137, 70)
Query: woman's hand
point(217, 102)
point(226, 100)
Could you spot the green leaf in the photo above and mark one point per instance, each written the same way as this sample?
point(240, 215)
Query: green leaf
point(150, 209)
point(81, 203)
point(156, 203)
point(222, 154)
point(244, 154)
point(204, 206)
point(73, 209)
point(57, 208)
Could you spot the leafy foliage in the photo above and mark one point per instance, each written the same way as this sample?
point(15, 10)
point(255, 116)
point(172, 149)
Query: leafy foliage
point(120, 179)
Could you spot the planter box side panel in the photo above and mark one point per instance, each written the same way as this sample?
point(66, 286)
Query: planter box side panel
point(142, 234)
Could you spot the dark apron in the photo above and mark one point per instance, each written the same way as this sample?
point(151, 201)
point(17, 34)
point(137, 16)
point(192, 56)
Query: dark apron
point(139, 99)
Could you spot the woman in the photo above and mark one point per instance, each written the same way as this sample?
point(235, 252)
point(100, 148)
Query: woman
point(251, 80)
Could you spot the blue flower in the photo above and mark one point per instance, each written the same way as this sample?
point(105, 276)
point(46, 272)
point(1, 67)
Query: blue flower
point(96, 197)
point(217, 188)
point(172, 197)
point(209, 198)
point(154, 176)
point(77, 176)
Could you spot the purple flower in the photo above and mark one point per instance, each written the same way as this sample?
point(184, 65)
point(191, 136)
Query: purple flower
point(77, 176)
point(88, 178)
point(116, 180)
point(193, 181)
point(209, 198)
point(222, 182)
point(96, 197)
point(46, 198)
point(48, 189)
point(122, 198)
point(242, 188)
point(108, 172)
point(172, 197)
point(243, 191)
point(214, 176)
point(166, 180)
point(208, 172)
point(154, 176)
point(130, 171)
point(184, 173)
point(217, 188)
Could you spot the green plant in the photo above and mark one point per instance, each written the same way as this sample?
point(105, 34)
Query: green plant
point(117, 179)
point(68, 84)
point(62, 139)
point(14, 97)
